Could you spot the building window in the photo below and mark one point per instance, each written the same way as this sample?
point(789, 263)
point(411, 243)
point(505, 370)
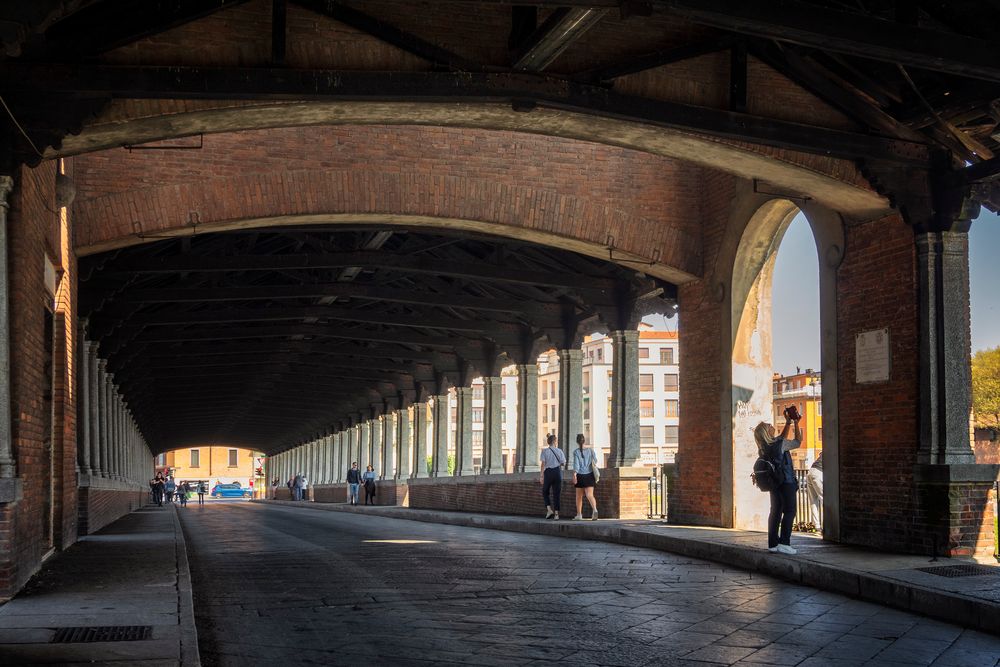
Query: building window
point(670, 382)
point(586, 410)
point(667, 356)
point(503, 439)
point(161, 460)
point(233, 458)
point(477, 415)
point(671, 436)
point(598, 354)
point(646, 435)
point(503, 392)
point(644, 353)
point(477, 439)
point(646, 382)
point(503, 415)
point(672, 406)
point(819, 408)
point(195, 458)
point(545, 390)
point(646, 408)
point(553, 414)
point(454, 415)
point(477, 392)
point(819, 434)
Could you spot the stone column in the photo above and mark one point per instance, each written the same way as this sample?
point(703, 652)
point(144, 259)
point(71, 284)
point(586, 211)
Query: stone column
point(375, 436)
point(463, 432)
point(119, 435)
point(492, 423)
point(8, 467)
point(337, 457)
point(527, 419)
point(388, 450)
point(364, 445)
point(83, 403)
point(351, 435)
point(93, 408)
point(404, 449)
point(570, 400)
point(625, 399)
point(327, 458)
point(945, 371)
point(439, 446)
point(420, 440)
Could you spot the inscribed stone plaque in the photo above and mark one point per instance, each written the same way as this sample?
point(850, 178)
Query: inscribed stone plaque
point(871, 350)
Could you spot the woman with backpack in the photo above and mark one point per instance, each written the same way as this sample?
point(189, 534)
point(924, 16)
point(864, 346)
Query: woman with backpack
point(775, 450)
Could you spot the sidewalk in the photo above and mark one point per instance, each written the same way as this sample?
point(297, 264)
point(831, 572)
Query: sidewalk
point(894, 580)
point(128, 583)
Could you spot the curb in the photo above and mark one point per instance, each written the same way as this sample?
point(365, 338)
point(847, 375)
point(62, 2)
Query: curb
point(190, 657)
point(941, 605)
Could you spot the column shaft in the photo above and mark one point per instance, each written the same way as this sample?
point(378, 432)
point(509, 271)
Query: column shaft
point(570, 399)
point(420, 440)
point(93, 407)
point(492, 431)
point(463, 432)
point(527, 419)
point(375, 433)
point(388, 446)
point(404, 448)
point(625, 399)
point(439, 446)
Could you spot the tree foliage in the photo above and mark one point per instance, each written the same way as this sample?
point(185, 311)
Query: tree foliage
point(986, 387)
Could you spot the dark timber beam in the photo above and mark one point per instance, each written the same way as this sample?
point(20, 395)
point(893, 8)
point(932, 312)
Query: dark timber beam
point(851, 33)
point(657, 59)
point(563, 27)
point(155, 82)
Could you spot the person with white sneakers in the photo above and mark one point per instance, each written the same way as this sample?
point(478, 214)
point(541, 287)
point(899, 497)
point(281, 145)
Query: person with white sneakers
point(775, 449)
point(584, 477)
point(553, 460)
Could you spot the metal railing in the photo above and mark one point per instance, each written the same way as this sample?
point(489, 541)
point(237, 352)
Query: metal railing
point(803, 507)
point(659, 487)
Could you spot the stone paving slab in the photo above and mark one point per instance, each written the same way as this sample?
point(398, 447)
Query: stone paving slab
point(133, 572)
point(890, 579)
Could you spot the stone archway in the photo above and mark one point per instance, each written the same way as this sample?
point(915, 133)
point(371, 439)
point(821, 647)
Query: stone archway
point(750, 336)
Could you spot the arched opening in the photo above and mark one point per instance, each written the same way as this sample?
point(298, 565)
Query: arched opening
point(770, 330)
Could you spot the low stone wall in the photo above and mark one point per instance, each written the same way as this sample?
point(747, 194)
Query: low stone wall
point(102, 501)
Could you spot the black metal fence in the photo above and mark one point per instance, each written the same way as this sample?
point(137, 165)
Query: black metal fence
point(659, 487)
point(804, 519)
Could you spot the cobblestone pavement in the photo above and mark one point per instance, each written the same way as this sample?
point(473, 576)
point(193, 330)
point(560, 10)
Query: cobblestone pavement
point(276, 585)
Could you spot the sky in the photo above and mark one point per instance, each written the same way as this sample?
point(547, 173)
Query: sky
point(796, 293)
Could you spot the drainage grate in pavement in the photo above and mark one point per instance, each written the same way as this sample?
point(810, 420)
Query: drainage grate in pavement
point(961, 570)
point(107, 633)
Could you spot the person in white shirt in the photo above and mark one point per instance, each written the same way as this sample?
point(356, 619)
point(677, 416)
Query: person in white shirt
point(584, 479)
point(551, 478)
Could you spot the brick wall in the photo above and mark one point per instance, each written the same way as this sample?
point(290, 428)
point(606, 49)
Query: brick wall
point(519, 184)
point(99, 507)
point(877, 287)
point(699, 463)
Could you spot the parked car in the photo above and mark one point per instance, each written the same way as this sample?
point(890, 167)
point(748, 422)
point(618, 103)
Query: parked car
point(230, 491)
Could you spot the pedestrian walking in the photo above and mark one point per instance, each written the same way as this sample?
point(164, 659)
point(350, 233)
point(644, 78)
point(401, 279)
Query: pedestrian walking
point(274, 489)
point(157, 484)
point(297, 486)
point(182, 492)
point(170, 488)
point(304, 495)
point(814, 486)
point(584, 477)
point(202, 490)
point(775, 450)
point(353, 482)
point(551, 478)
point(368, 479)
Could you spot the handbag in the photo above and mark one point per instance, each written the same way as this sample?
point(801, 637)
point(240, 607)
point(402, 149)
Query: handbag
point(594, 469)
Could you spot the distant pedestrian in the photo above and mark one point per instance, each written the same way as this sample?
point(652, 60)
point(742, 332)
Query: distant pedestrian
point(775, 449)
point(297, 487)
point(551, 478)
point(274, 489)
point(202, 490)
point(353, 482)
point(183, 492)
point(291, 487)
point(170, 488)
point(368, 479)
point(814, 485)
point(584, 477)
point(304, 495)
point(157, 484)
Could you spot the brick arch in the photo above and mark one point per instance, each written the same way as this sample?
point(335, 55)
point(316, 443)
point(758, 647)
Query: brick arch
point(601, 201)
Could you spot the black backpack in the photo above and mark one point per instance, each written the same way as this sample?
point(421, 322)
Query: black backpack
point(767, 474)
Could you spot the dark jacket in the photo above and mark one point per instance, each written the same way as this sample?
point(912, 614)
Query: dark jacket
point(353, 476)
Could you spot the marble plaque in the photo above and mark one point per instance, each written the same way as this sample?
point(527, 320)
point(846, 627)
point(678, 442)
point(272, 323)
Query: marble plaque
point(872, 359)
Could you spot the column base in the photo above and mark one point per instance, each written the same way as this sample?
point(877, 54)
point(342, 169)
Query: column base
point(11, 490)
point(956, 508)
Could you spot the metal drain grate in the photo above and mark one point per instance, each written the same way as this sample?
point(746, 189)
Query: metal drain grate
point(107, 633)
point(961, 570)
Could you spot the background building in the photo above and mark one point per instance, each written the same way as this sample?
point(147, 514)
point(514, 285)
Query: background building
point(804, 390)
point(213, 464)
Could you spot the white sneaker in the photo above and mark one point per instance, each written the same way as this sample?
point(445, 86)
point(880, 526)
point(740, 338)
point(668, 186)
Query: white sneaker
point(548, 512)
point(773, 550)
point(593, 517)
point(785, 549)
point(578, 517)
point(556, 517)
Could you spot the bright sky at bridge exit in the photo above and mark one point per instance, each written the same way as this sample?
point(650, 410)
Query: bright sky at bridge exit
point(796, 293)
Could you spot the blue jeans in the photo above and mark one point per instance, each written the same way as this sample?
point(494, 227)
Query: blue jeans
point(296, 493)
point(552, 480)
point(782, 515)
point(354, 493)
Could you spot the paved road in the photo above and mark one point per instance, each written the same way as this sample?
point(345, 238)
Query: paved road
point(283, 585)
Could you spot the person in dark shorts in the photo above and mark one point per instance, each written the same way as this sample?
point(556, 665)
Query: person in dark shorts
point(551, 478)
point(584, 477)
